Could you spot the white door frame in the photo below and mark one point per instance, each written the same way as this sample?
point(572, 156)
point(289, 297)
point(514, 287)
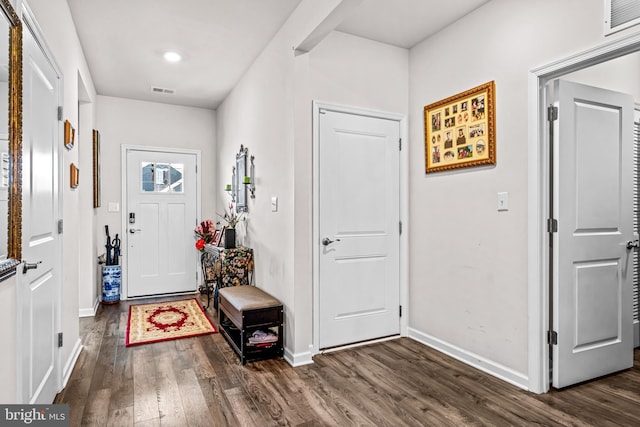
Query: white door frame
point(125, 148)
point(538, 196)
point(404, 209)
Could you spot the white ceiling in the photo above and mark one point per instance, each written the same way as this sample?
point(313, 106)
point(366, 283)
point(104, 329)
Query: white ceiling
point(124, 40)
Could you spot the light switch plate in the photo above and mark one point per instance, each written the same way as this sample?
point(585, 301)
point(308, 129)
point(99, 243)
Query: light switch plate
point(503, 201)
point(274, 204)
point(114, 207)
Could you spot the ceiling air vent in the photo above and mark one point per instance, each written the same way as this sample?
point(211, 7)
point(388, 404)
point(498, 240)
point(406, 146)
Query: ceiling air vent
point(620, 14)
point(156, 89)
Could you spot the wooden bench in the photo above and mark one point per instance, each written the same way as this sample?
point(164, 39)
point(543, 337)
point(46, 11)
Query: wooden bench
point(251, 320)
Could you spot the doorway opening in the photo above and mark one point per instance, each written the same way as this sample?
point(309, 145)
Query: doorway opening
point(338, 233)
point(539, 184)
point(161, 198)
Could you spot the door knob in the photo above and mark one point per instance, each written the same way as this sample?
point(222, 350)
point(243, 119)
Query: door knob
point(327, 241)
point(134, 230)
point(633, 244)
point(30, 266)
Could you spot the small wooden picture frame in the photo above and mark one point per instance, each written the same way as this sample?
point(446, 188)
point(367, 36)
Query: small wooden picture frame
point(74, 176)
point(218, 236)
point(69, 135)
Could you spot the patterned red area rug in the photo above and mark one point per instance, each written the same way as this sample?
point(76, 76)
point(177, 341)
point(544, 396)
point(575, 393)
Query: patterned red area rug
point(163, 321)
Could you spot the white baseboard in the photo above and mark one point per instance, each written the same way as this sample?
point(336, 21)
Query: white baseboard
point(490, 367)
point(89, 312)
point(71, 362)
point(298, 359)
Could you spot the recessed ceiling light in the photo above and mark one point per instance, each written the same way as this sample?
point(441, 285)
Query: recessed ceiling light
point(172, 56)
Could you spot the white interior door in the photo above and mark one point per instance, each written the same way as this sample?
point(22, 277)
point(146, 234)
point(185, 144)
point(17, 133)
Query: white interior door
point(39, 287)
point(592, 267)
point(359, 216)
point(162, 191)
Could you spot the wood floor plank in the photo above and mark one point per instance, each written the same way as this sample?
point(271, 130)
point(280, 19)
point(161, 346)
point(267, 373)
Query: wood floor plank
point(122, 417)
point(96, 411)
point(219, 406)
point(122, 382)
point(169, 399)
point(199, 381)
point(195, 406)
point(145, 399)
point(245, 409)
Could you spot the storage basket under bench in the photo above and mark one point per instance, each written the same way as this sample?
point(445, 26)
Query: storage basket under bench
point(251, 320)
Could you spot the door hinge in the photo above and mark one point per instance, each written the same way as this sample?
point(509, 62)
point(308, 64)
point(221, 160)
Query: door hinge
point(400, 144)
point(60, 339)
point(552, 337)
point(400, 227)
point(60, 113)
point(60, 226)
point(552, 225)
point(400, 311)
point(552, 113)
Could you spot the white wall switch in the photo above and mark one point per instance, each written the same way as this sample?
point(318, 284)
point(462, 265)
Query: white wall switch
point(114, 207)
point(274, 204)
point(503, 201)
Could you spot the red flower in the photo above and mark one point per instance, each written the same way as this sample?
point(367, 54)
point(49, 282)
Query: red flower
point(200, 244)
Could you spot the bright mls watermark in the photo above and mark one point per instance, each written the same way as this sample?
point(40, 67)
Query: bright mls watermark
point(34, 415)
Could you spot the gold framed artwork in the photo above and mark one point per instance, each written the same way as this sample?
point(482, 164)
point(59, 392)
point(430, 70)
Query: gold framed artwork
point(96, 169)
point(460, 130)
point(74, 176)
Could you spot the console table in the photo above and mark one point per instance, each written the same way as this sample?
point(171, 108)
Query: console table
point(225, 267)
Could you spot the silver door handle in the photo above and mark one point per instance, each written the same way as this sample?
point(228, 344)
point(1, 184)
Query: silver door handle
point(134, 230)
point(26, 266)
point(327, 241)
point(633, 244)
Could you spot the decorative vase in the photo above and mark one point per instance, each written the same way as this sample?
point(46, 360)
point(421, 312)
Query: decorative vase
point(230, 238)
point(111, 283)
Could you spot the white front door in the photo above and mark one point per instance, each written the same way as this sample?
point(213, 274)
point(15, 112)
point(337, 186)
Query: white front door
point(39, 291)
point(359, 217)
point(592, 202)
point(162, 189)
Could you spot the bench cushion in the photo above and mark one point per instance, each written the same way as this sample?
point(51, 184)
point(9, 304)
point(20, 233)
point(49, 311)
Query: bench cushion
point(248, 297)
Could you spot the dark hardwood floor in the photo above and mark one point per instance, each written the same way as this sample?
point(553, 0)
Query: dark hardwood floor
point(200, 382)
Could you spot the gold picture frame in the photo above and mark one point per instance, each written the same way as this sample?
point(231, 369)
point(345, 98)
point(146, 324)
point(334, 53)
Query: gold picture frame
point(96, 169)
point(460, 130)
point(74, 176)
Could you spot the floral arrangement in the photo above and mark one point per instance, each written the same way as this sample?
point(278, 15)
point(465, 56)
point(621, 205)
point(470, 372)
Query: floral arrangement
point(231, 217)
point(204, 233)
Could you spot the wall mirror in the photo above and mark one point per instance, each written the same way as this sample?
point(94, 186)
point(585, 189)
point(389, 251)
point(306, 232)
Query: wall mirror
point(10, 140)
point(239, 180)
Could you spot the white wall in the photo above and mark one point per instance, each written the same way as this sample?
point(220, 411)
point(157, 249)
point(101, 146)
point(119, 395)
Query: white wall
point(468, 261)
point(8, 296)
point(57, 27)
point(269, 111)
point(347, 70)
point(350, 70)
point(125, 121)
point(620, 74)
point(259, 113)
point(8, 361)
